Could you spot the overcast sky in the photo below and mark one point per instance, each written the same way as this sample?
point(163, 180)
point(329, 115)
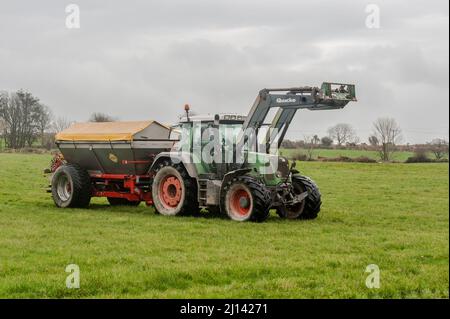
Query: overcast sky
point(146, 59)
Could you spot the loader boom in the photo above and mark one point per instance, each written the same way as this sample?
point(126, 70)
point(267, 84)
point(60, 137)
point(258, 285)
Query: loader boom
point(330, 96)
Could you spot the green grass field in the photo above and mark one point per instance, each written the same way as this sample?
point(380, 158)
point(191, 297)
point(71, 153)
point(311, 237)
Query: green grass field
point(392, 215)
point(334, 153)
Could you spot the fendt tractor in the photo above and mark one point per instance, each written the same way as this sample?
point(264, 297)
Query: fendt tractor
point(145, 161)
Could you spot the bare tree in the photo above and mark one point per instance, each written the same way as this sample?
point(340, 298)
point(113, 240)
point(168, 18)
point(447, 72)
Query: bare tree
point(44, 121)
point(373, 140)
point(326, 141)
point(311, 143)
point(2, 130)
point(316, 139)
point(20, 112)
point(388, 133)
point(342, 133)
point(60, 124)
point(101, 117)
point(439, 147)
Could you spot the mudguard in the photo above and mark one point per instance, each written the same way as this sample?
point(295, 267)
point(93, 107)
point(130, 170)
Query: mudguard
point(230, 175)
point(177, 157)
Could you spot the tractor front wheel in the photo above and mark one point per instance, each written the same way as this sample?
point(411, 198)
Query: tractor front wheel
point(246, 199)
point(309, 208)
point(174, 191)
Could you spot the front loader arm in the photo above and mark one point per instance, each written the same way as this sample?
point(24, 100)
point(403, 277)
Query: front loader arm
point(329, 97)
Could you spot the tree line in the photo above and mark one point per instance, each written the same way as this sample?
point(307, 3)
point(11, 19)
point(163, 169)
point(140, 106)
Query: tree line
point(385, 139)
point(26, 122)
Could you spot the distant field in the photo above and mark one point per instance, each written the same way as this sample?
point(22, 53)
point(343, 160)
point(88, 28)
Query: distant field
point(392, 215)
point(398, 156)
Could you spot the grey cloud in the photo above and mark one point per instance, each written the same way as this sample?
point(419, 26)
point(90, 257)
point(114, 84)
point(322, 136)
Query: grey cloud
point(145, 59)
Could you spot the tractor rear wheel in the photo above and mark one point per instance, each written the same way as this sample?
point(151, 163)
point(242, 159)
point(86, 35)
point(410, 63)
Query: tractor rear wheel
point(174, 192)
point(245, 198)
point(71, 186)
point(309, 208)
point(114, 201)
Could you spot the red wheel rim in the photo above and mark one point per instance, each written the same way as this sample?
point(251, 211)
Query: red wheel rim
point(240, 202)
point(170, 191)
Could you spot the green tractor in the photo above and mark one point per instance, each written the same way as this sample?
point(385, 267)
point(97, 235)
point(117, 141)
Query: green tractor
point(225, 163)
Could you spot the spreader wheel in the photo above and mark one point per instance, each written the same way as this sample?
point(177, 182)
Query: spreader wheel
point(245, 198)
point(174, 191)
point(71, 186)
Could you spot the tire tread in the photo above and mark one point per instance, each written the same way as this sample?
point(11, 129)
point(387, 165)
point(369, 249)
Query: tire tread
point(81, 192)
point(190, 205)
point(261, 197)
point(313, 201)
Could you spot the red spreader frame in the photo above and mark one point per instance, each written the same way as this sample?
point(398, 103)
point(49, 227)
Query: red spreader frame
point(131, 187)
point(135, 188)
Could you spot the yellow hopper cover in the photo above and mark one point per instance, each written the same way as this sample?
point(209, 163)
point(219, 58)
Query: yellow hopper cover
point(104, 131)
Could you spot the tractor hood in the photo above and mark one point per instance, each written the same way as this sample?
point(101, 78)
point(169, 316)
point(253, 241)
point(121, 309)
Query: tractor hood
point(268, 164)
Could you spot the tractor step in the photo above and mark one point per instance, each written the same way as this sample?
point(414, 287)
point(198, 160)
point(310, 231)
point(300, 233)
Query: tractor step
point(202, 192)
point(208, 192)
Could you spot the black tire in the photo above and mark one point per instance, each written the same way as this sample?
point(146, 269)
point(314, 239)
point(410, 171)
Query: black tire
point(188, 202)
point(314, 200)
point(114, 201)
point(256, 210)
point(312, 203)
point(71, 186)
point(293, 211)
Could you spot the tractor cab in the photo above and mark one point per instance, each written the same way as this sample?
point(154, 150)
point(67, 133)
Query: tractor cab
point(210, 141)
point(199, 130)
